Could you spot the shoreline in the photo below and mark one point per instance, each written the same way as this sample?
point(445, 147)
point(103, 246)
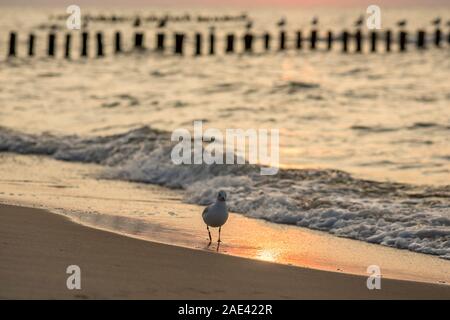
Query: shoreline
point(39, 245)
point(157, 214)
point(291, 262)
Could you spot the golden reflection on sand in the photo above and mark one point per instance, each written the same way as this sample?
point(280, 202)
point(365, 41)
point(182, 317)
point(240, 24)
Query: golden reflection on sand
point(267, 255)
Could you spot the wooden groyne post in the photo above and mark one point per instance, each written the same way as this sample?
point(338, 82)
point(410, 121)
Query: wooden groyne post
point(139, 40)
point(299, 42)
point(212, 41)
point(358, 41)
point(179, 42)
point(160, 37)
point(67, 46)
point(437, 37)
point(421, 36)
point(403, 39)
point(266, 40)
point(117, 42)
point(373, 41)
point(282, 39)
point(248, 42)
point(99, 37)
point(31, 41)
point(329, 40)
point(198, 44)
point(84, 44)
point(51, 44)
point(313, 39)
point(12, 44)
point(229, 48)
point(345, 36)
point(388, 40)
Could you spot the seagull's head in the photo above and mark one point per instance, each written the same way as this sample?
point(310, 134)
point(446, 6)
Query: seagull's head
point(222, 196)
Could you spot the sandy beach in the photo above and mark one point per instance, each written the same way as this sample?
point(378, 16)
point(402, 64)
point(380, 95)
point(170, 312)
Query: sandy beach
point(37, 246)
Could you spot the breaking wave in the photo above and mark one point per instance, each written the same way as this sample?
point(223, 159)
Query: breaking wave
point(392, 214)
point(293, 87)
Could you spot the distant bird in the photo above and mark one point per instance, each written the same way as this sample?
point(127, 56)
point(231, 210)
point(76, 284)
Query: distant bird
point(162, 23)
point(359, 22)
point(401, 23)
point(282, 22)
point(315, 21)
point(249, 25)
point(436, 21)
point(216, 214)
point(85, 24)
point(137, 22)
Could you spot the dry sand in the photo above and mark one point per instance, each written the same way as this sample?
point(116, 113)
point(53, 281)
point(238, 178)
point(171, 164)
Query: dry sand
point(36, 247)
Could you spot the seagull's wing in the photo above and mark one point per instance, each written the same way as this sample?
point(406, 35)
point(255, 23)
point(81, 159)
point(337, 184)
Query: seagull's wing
point(205, 211)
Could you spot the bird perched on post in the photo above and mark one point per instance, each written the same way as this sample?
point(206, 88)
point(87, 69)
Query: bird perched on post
point(315, 21)
point(359, 22)
point(137, 22)
point(436, 21)
point(282, 22)
point(162, 23)
point(216, 214)
point(401, 23)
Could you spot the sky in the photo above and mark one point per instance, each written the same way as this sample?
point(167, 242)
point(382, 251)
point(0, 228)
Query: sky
point(224, 2)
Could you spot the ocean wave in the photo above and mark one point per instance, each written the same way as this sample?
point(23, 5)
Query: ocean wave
point(414, 126)
point(374, 129)
point(292, 87)
point(354, 71)
point(392, 214)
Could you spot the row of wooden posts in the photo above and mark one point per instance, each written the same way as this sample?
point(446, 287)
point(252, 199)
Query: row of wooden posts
point(248, 40)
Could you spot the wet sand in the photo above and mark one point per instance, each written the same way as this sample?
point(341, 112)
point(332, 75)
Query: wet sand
point(37, 246)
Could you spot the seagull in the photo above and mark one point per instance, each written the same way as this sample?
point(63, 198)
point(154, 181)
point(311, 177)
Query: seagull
point(137, 22)
point(401, 23)
point(315, 21)
point(436, 21)
point(359, 22)
point(249, 25)
point(216, 214)
point(85, 24)
point(282, 22)
point(162, 23)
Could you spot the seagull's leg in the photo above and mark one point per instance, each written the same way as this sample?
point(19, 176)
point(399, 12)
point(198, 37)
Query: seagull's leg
point(219, 235)
point(209, 234)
